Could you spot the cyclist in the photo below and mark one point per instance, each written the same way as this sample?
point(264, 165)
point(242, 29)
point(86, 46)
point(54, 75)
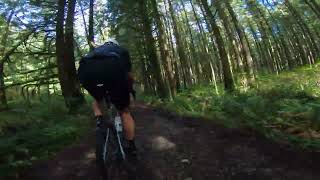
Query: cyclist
point(107, 69)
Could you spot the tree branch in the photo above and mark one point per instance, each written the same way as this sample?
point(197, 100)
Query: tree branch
point(11, 51)
point(32, 81)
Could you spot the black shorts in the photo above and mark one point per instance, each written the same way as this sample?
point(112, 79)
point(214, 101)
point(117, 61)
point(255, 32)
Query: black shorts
point(106, 76)
point(119, 93)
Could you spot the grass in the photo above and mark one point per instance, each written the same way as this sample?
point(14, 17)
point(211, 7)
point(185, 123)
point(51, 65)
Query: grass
point(283, 107)
point(36, 131)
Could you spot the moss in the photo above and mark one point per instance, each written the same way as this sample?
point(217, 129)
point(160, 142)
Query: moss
point(37, 131)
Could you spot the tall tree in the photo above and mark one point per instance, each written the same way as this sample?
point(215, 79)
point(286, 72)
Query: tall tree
point(227, 76)
point(314, 6)
point(192, 44)
point(164, 49)
point(245, 48)
point(180, 47)
point(65, 56)
point(91, 23)
point(3, 98)
point(268, 52)
point(151, 49)
point(6, 51)
point(305, 30)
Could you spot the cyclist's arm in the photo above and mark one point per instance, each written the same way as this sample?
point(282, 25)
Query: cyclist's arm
point(128, 65)
point(129, 71)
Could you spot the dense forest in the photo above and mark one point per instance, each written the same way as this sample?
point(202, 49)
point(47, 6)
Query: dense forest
point(187, 55)
point(174, 44)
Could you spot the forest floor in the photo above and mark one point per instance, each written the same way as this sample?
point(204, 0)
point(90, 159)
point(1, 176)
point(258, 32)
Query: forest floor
point(173, 147)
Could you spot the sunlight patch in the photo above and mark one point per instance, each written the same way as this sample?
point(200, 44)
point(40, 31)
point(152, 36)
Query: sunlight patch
point(160, 143)
point(90, 155)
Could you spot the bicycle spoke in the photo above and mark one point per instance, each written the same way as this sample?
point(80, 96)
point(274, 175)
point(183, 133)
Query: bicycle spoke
point(105, 146)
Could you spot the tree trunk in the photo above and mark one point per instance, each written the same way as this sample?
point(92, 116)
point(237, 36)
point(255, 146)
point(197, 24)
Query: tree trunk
point(65, 57)
point(268, 49)
point(227, 76)
point(301, 46)
point(286, 54)
point(174, 56)
point(91, 33)
point(151, 49)
point(3, 98)
point(235, 55)
point(195, 58)
point(275, 45)
point(245, 50)
point(207, 60)
point(181, 51)
point(313, 6)
point(4, 40)
point(305, 30)
point(215, 59)
point(164, 50)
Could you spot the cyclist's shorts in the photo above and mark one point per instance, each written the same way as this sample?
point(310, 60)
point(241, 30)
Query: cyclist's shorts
point(119, 93)
point(99, 76)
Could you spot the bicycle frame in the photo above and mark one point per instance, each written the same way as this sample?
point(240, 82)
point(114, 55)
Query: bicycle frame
point(110, 153)
point(117, 128)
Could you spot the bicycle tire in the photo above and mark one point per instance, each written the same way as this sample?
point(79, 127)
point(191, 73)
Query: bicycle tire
point(100, 141)
point(125, 164)
point(110, 156)
point(105, 152)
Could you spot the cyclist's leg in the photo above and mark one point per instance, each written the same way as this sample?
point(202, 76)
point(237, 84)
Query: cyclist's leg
point(98, 94)
point(120, 97)
point(97, 108)
point(128, 123)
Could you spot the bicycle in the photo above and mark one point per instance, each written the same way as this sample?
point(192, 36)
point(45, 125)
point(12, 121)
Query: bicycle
point(110, 153)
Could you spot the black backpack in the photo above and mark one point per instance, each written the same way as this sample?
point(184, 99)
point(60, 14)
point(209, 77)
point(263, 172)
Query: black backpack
point(101, 68)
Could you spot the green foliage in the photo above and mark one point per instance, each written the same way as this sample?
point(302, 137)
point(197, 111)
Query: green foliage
point(285, 107)
point(37, 131)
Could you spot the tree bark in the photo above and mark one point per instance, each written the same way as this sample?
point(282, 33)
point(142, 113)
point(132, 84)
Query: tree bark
point(245, 49)
point(232, 41)
point(268, 50)
point(305, 30)
point(181, 51)
point(208, 70)
point(91, 33)
point(195, 58)
point(151, 49)
point(314, 7)
point(65, 57)
point(286, 54)
point(164, 49)
point(178, 72)
point(3, 97)
point(4, 39)
point(227, 75)
point(4, 57)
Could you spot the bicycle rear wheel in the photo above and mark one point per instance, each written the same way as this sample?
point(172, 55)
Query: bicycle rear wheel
point(105, 152)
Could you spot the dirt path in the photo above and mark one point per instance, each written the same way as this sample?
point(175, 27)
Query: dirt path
point(176, 148)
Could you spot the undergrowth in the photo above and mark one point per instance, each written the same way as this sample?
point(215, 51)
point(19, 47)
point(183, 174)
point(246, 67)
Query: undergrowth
point(283, 107)
point(37, 130)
